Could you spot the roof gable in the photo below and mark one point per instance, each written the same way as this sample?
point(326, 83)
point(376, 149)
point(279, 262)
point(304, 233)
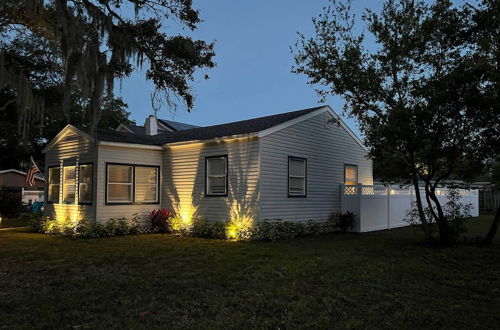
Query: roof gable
point(68, 129)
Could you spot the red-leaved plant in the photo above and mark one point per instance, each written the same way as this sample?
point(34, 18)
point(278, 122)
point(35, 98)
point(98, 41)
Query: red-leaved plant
point(159, 220)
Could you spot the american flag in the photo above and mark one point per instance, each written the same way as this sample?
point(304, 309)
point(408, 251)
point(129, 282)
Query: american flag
point(30, 176)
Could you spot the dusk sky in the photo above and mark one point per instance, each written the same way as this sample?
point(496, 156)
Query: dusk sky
point(252, 77)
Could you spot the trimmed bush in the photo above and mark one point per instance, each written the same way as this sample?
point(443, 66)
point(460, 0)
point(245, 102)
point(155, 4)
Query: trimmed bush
point(162, 221)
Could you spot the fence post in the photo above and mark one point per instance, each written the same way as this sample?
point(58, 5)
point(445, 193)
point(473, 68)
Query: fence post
point(388, 194)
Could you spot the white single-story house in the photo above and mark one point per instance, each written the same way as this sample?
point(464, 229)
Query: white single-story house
point(287, 166)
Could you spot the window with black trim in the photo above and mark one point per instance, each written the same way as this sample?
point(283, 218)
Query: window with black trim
point(350, 174)
point(132, 184)
point(297, 177)
point(85, 184)
point(54, 184)
point(216, 172)
point(69, 184)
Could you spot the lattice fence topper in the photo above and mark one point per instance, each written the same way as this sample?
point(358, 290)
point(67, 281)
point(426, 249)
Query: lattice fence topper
point(373, 190)
point(350, 190)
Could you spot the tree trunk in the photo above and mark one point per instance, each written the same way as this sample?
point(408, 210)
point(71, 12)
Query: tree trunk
point(423, 220)
point(444, 228)
point(488, 240)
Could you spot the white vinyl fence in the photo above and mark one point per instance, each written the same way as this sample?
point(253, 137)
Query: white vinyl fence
point(381, 207)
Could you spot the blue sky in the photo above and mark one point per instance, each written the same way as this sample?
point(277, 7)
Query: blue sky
point(252, 77)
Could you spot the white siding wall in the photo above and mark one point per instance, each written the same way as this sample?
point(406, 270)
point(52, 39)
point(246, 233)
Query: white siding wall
point(184, 180)
point(327, 148)
point(135, 156)
point(67, 150)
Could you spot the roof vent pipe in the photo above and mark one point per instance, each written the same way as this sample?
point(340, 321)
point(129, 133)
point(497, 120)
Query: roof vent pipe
point(151, 125)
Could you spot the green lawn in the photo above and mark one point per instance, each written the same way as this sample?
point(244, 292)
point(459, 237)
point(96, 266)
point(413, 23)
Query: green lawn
point(377, 280)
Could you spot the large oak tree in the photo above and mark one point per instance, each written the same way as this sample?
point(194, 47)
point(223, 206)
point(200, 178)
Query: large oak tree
point(401, 79)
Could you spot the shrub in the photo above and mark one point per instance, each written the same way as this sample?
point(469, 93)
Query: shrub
point(10, 203)
point(138, 226)
point(36, 221)
point(344, 220)
point(116, 227)
point(159, 221)
point(202, 228)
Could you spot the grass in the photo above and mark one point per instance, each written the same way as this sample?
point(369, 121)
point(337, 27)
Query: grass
point(378, 280)
point(14, 222)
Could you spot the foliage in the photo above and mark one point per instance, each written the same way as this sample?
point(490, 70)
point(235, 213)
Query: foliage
point(240, 227)
point(455, 212)
point(10, 202)
point(344, 220)
point(202, 228)
point(163, 221)
point(160, 221)
point(421, 96)
point(95, 42)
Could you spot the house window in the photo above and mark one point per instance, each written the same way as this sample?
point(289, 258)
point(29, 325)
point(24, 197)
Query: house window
point(297, 177)
point(120, 183)
point(54, 184)
point(146, 184)
point(351, 174)
point(216, 176)
point(85, 184)
point(69, 184)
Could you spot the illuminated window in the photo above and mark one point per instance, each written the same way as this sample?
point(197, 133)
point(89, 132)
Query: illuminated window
point(120, 183)
point(351, 174)
point(54, 184)
point(146, 184)
point(85, 184)
point(216, 176)
point(69, 184)
point(297, 177)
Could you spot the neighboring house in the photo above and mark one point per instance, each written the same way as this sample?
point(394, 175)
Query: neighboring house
point(287, 166)
point(15, 181)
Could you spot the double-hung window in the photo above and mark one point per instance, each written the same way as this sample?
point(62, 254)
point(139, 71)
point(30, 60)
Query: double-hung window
point(120, 183)
point(54, 184)
point(297, 177)
point(216, 176)
point(85, 184)
point(132, 184)
point(351, 174)
point(69, 184)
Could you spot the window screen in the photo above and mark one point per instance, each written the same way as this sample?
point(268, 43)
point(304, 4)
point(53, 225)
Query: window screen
point(120, 183)
point(85, 184)
point(297, 176)
point(69, 184)
point(351, 174)
point(146, 184)
point(216, 176)
point(54, 184)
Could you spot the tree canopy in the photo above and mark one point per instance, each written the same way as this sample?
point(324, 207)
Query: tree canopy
point(94, 42)
point(421, 95)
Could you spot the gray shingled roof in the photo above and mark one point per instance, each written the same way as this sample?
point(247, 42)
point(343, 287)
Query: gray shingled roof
point(176, 126)
point(204, 133)
point(135, 129)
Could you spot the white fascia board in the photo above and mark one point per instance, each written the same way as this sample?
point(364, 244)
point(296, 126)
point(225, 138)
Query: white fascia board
point(219, 139)
point(312, 114)
point(291, 122)
point(130, 145)
point(67, 129)
point(125, 127)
